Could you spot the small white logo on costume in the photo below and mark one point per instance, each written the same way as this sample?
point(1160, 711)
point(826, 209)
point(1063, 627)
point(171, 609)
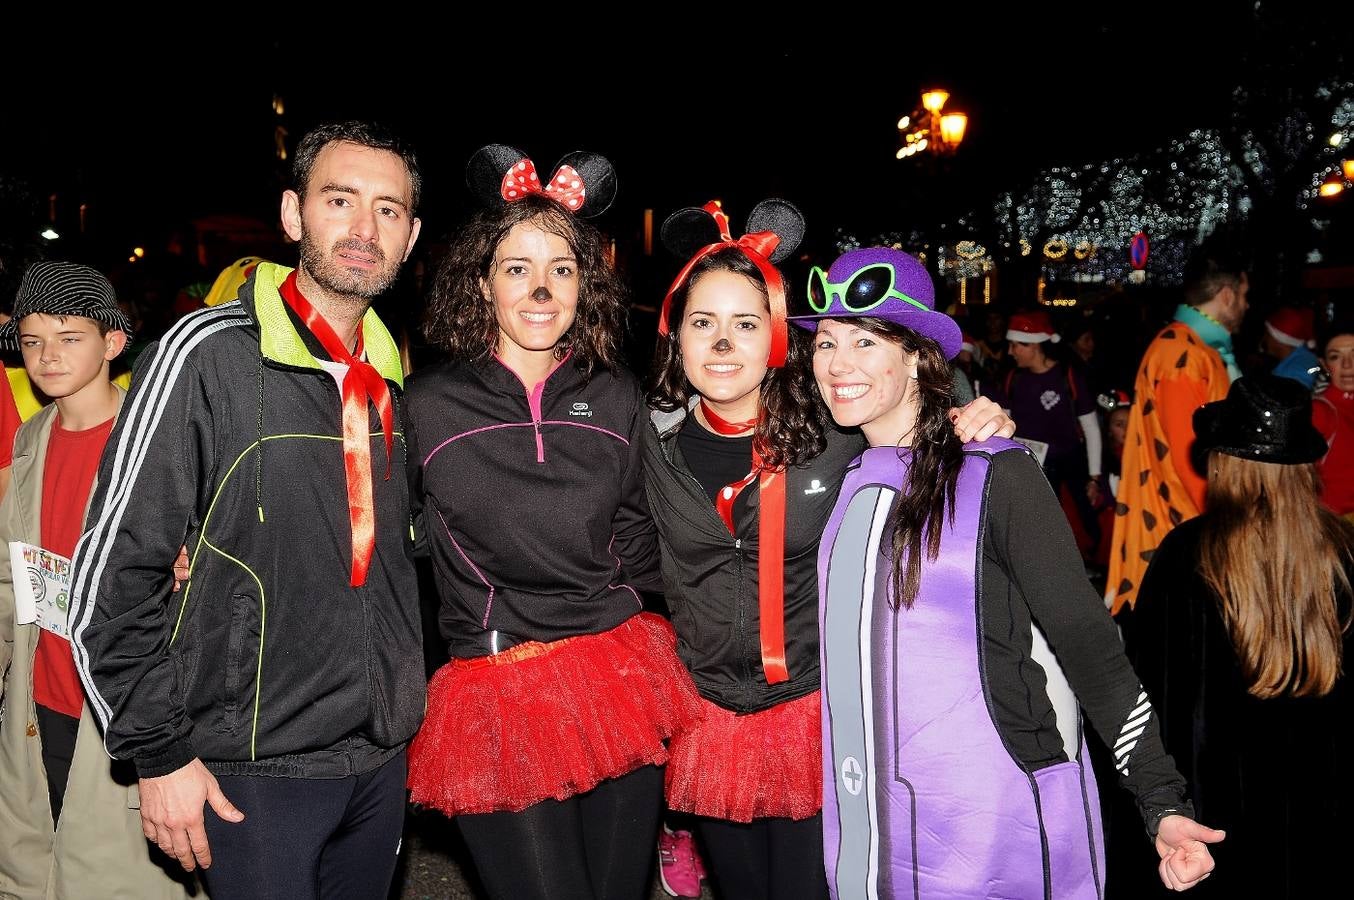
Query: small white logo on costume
point(815, 487)
point(581, 409)
point(1049, 399)
point(852, 776)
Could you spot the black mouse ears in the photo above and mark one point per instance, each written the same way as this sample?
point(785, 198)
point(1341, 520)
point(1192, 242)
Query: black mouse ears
point(687, 230)
point(775, 228)
point(583, 182)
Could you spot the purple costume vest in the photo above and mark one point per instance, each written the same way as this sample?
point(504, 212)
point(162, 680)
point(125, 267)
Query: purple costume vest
point(922, 799)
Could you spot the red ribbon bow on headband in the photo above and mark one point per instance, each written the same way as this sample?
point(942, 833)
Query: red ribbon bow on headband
point(756, 246)
point(566, 185)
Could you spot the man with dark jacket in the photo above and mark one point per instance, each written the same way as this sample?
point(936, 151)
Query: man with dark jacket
point(286, 674)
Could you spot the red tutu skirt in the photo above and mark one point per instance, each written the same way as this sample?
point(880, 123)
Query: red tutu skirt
point(541, 721)
point(740, 768)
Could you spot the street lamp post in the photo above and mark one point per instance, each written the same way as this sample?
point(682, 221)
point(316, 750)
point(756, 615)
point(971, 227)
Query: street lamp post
point(931, 129)
point(935, 131)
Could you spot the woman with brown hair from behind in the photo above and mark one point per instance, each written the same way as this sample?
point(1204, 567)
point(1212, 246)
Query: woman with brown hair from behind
point(1243, 625)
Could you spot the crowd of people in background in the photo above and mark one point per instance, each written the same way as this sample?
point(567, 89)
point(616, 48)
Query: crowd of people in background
point(712, 617)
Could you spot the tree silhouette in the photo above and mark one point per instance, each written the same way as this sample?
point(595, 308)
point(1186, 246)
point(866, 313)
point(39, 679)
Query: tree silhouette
point(1297, 93)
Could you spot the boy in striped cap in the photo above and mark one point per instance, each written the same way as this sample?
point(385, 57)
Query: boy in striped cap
point(69, 327)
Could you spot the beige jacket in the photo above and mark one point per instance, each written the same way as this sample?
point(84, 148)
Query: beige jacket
point(98, 852)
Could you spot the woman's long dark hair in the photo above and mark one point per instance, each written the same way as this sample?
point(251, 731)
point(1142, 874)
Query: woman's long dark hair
point(463, 322)
point(927, 499)
point(792, 427)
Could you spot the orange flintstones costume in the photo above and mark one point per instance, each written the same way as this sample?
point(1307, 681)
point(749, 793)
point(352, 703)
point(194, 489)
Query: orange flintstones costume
point(1158, 487)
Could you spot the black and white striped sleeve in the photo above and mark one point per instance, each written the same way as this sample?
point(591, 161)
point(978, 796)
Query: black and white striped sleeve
point(1038, 550)
point(148, 494)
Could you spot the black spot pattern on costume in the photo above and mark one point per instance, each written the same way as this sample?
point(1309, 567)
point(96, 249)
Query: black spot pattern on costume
point(1148, 554)
point(1121, 509)
point(1143, 476)
point(1168, 334)
point(1148, 407)
point(1124, 587)
point(1149, 520)
point(1162, 450)
point(1176, 516)
point(1165, 492)
point(1183, 360)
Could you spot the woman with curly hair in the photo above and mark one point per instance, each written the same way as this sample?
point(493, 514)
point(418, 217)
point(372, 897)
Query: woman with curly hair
point(545, 732)
point(742, 468)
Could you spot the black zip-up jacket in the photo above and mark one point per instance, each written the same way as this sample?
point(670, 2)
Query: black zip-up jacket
point(266, 661)
point(710, 575)
point(531, 500)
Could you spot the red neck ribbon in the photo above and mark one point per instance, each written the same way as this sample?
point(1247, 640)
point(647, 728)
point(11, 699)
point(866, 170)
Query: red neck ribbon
point(770, 545)
point(361, 384)
point(757, 247)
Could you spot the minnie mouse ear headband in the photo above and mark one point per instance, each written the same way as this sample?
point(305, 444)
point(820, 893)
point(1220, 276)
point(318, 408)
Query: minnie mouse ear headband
point(774, 230)
point(883, 283)
point(584, 183)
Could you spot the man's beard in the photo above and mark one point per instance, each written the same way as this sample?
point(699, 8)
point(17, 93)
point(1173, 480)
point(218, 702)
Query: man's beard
point(339, 279)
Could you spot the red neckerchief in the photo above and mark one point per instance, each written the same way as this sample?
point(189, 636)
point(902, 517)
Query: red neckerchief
point(361, 383)
point(770, 543)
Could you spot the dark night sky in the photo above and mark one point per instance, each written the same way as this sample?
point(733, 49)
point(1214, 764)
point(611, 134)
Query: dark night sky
point(151, 132)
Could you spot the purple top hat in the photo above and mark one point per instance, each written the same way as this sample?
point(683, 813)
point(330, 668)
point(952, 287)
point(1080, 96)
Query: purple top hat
point(886, 284)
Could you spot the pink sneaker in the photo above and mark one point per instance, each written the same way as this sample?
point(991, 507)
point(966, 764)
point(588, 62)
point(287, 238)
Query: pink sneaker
point(699, 863)
point(679, 868)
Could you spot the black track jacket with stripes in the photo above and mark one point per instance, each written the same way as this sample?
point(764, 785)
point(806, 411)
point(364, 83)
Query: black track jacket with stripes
point(266, 661)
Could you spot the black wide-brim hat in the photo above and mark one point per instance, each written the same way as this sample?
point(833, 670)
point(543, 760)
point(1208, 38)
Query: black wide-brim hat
point(1265, 418)
point(64, 289)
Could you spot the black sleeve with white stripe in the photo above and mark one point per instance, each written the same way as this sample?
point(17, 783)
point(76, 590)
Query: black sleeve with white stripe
point(1028, 535)
point(149, 491)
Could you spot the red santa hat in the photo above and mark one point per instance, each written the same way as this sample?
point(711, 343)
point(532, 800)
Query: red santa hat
point(1031, 328)
point(966, 342)
point(1293, 327)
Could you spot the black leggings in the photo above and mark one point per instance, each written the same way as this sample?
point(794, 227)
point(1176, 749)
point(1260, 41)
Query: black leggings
point(305, 838)
point(57, 733)
point(593, 846)
point(766, 859)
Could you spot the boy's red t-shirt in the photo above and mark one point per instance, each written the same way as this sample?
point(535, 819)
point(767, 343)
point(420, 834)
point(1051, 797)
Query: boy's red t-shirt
point(67, 479)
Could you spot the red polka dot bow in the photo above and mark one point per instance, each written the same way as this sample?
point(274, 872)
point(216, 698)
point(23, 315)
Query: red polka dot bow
point(566, 185)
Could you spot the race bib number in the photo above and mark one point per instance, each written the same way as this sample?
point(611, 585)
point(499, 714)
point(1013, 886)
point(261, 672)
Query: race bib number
point(42, 582)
